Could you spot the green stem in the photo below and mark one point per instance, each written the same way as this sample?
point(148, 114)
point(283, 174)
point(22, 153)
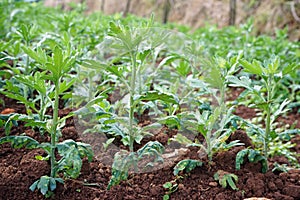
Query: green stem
point(209, 152)
point(42, 107)
point(54, 129)
point(268, 120)
point(41, 112)
point(25, 87)
point(28, 111)
point(222, 101)
point(139, 81)
point(268, 130)
point(90, 87)
point(132, 91)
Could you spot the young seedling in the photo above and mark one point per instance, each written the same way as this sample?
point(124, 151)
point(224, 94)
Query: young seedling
point(187, 166)
point(225, 179)
point(171, 186)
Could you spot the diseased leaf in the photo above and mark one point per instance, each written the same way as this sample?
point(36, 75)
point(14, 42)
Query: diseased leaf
point(43, 184)
point(182, 139)
point(187, 165)
point(239, 160)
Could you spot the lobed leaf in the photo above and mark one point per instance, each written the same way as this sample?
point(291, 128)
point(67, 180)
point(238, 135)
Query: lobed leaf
point(254, 68)
point(239, 160)
point(156, 95)
point(187, 165)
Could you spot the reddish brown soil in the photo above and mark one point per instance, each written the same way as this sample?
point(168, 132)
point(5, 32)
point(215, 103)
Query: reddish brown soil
point(19, 169)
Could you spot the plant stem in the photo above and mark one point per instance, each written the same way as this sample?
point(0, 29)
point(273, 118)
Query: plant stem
point(90, 77)
point(54, 129)
point(131, 106)
point(28, 111)
point(41, 112)
point(268, 120)
point(209, 150)
point(222, 101)
point(267, 132)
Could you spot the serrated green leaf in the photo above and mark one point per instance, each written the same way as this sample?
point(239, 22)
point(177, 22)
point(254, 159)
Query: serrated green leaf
point(254, 68)
point(242, 82)
point(182, 139)
point(114, 28)
point(290, 68)
point(183, 68)
point(170, 121)
point(167, 60)
point(57, 58)
point(273, 67)
point(216, 176)
point(252, 154)
point(39, 157)
point(38, 56)
point(66, 85)
point(20, 141)
point(107, 143)
point(239, 160)
point(155, 95)
point(143, 55)
point(214, 78)
point(231, 182)
point(93, 64)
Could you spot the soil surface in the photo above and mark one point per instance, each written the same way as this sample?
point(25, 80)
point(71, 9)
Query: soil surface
point(19, 169)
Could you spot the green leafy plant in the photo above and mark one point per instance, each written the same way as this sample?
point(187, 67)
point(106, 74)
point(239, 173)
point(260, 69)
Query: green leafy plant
point(54, 69)
point(171, 186)
point(133, 42)
point(283, 148)
point(226, 179)
point(129, 68)
point(214, 124)
point(71, 153)
point(36, 105)
point(264, 95)
point(215, 141)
